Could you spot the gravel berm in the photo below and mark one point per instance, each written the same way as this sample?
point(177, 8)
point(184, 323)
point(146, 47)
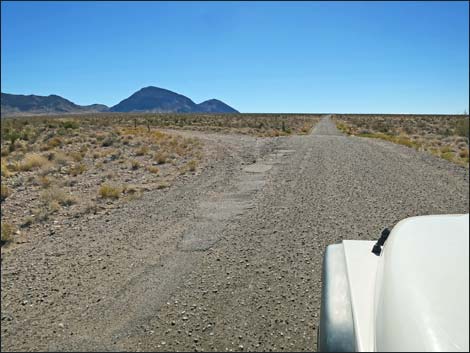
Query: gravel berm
point(228, 260)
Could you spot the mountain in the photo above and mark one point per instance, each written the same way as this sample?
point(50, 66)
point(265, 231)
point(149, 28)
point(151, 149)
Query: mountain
point(149, 99)
point(96, 107)
point(159, 100)
point(215, 106)
point(18, 104)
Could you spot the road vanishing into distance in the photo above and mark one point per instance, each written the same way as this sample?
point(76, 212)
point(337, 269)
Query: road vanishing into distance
point(229, 260)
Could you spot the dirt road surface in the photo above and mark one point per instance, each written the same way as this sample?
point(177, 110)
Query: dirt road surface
point(228, 260)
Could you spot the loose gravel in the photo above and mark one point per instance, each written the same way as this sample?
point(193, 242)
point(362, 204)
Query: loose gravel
point(228, 261)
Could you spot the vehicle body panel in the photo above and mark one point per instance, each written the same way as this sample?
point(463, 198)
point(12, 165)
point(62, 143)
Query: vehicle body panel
point(361, 266)
point(336, 331)
point(413, 297)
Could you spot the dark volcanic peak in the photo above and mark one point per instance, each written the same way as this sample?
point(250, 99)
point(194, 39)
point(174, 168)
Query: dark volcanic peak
point(160, 100)
point(216, 106)
point(155, 99)
point(18, 104)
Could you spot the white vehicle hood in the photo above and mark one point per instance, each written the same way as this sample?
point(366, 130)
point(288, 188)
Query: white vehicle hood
point(422, 286)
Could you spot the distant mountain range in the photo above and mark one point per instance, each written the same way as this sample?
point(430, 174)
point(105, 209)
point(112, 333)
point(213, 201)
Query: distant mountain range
point(17, 104)
point(148, 99)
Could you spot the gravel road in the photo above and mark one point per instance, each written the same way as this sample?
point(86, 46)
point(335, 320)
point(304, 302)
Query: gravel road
point(229, 260)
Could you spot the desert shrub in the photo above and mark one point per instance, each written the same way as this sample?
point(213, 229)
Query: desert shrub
point(76, 156)
point(32, 161)
point(110, 175)
point(4, 152)
point(305, 129)
point(448, 156)
point(135, 165)
point(130, 189)
point(141, 151)
point(109, 140)
point(163, 185)
point(463, 153)
point(77, 169)
point(446, 132)
point(54, 194)
point(53, 206)
point(54, 142)
point(59, 157)
point(108, 191)
point(12, 136)
point(4, 192)
point(446, 149)
point(44, 181)
point(7, 231)
point(192, 165)
point(383, 127)
point(403, 140)
point(70, 124)
point(462, 127)
point(28, 134)
point(161, 158)
point(154, 170)
point(4, 169)
point(28, 221)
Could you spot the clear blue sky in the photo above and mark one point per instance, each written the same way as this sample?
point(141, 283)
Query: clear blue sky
point(400, 57)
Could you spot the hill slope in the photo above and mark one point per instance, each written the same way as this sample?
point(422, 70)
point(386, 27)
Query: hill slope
point(216, 106)
point(160, 100)
point(155, 99)
point(18, 104)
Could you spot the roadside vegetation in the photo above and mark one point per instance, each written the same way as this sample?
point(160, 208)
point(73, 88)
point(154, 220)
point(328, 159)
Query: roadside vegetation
point(57, 167)
point(263, 125)
point(445, 136)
